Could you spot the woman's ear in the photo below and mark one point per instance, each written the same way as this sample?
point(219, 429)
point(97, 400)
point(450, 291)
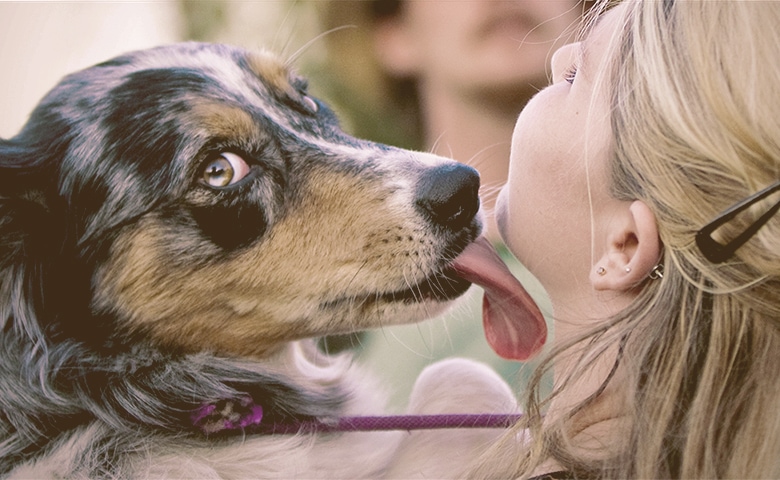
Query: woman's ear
point(633, 249)
point(395, 47)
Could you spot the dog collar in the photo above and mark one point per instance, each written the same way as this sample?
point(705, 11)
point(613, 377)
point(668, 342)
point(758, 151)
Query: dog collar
point(227, 415)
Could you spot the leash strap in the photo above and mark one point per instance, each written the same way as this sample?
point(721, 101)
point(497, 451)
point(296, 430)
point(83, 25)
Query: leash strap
point(401, 422)
point(243, 414)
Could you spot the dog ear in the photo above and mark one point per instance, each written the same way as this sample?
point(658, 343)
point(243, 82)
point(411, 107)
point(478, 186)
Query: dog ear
point(33, 154)
point(26, 226)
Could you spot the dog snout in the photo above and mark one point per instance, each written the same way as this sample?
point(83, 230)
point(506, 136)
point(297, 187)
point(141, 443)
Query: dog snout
point(448, 195)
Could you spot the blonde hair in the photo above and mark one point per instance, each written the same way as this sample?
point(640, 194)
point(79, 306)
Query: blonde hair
point(695, 97)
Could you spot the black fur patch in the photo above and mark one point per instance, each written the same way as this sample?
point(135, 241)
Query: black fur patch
point(231, 226)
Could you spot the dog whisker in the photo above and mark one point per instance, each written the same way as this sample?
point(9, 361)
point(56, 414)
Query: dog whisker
point(489, 192)
point(412, 286)
point(435, 146)
point(292, 59)
point(478, 158)
point(357, 272)
point(282, 24)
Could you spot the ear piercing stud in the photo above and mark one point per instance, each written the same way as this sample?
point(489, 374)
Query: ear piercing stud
point(601, 271)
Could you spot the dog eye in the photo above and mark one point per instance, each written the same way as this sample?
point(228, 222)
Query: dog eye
point(226, 169)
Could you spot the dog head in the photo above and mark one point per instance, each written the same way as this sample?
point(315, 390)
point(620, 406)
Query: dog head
point(196, 198)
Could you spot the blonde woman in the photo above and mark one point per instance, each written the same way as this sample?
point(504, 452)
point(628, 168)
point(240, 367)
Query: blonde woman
point(643, 193)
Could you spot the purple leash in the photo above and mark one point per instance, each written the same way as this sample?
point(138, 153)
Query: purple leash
point(401, 422)
point(243, 413)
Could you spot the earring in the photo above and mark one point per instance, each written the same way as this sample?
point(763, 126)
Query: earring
point(601, 271)
point(628, 269)
point(657, 272)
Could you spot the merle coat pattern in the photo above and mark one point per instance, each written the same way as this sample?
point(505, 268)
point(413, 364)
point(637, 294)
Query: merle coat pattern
point(173, 222)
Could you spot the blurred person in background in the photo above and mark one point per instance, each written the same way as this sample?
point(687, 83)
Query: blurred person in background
point(449, 77)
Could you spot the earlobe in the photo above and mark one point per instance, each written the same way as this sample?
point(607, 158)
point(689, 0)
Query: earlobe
point(632, 250)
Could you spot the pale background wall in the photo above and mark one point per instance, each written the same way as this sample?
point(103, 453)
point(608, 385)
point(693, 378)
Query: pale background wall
point(40, 42)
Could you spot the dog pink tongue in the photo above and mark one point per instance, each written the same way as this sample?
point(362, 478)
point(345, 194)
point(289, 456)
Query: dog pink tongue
point(514, 325)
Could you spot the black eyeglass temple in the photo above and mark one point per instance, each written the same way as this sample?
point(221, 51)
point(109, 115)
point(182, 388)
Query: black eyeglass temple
point(719, 253)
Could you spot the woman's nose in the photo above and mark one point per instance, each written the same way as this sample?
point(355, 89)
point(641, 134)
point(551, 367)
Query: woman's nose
point(563, 60)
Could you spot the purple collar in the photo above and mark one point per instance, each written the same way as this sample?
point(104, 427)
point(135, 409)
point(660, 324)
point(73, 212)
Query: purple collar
point(242, 414)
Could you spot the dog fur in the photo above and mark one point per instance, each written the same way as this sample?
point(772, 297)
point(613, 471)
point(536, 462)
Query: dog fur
point(174, 224)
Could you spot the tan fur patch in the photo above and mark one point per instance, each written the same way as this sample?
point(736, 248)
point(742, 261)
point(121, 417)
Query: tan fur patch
point(271, 70)
point(226, 121)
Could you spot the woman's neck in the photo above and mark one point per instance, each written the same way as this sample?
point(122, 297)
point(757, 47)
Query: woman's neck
point(599, 382)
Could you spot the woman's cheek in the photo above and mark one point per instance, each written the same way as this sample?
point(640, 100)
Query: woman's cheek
point(544, 179)
point(501, 214)
point(514, 218)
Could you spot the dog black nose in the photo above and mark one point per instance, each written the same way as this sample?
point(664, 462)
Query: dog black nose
point(449, 195)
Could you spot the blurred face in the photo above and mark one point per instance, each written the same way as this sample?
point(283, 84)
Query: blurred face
point(474, 44)
point(556, 200)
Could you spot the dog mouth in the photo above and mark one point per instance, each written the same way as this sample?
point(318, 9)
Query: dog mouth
point(441, 286)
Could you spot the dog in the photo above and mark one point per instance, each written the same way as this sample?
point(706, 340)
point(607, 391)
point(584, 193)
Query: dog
point(177, 224)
